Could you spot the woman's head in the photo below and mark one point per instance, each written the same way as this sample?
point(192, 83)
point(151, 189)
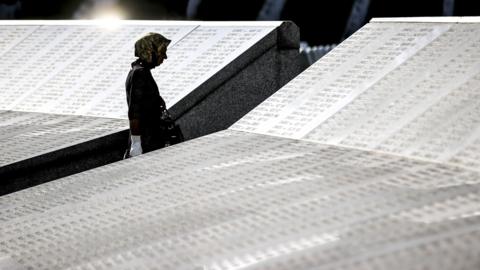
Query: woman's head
point(152, 49)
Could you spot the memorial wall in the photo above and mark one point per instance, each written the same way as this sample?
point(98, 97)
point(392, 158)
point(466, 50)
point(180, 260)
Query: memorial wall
point(62, 83)
point(81, 69)
point(27, 135)
point(410, 89)
point(269, 193)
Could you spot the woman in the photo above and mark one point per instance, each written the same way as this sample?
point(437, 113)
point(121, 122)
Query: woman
point(147, 111)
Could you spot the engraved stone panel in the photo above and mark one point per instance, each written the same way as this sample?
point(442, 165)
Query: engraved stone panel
point(10, 36)
point(72, 68)
point(54, 71)
point(25, 134)
point(410, 89)
point(201, 54)
point(81, 69)
point(244, 200)
point(326, 199)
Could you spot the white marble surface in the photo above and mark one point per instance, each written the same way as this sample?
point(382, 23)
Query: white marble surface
point(410, 89)
point(64, 81)
point(236, 200)
point(367, 160)
point(80, 68)
point(25, 135)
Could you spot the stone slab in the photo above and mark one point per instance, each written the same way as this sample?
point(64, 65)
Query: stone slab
point(283, 200)
point(398, 87)
point(75, 74)
point(236, 199)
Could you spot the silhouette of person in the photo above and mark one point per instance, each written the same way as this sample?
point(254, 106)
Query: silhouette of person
point(147, 111)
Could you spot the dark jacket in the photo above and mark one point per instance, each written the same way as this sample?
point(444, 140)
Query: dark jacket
point(145, 104)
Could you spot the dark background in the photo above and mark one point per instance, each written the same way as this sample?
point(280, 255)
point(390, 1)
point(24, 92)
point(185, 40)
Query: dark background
point(320, 21)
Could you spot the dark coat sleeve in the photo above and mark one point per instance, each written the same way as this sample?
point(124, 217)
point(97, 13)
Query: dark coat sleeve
point(137, 85)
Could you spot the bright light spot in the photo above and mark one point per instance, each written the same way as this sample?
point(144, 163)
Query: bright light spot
point(109, 18)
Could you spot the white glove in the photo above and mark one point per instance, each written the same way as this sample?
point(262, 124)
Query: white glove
point(136, 147)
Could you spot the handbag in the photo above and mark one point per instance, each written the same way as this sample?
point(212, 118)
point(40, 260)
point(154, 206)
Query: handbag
point(172, 133)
